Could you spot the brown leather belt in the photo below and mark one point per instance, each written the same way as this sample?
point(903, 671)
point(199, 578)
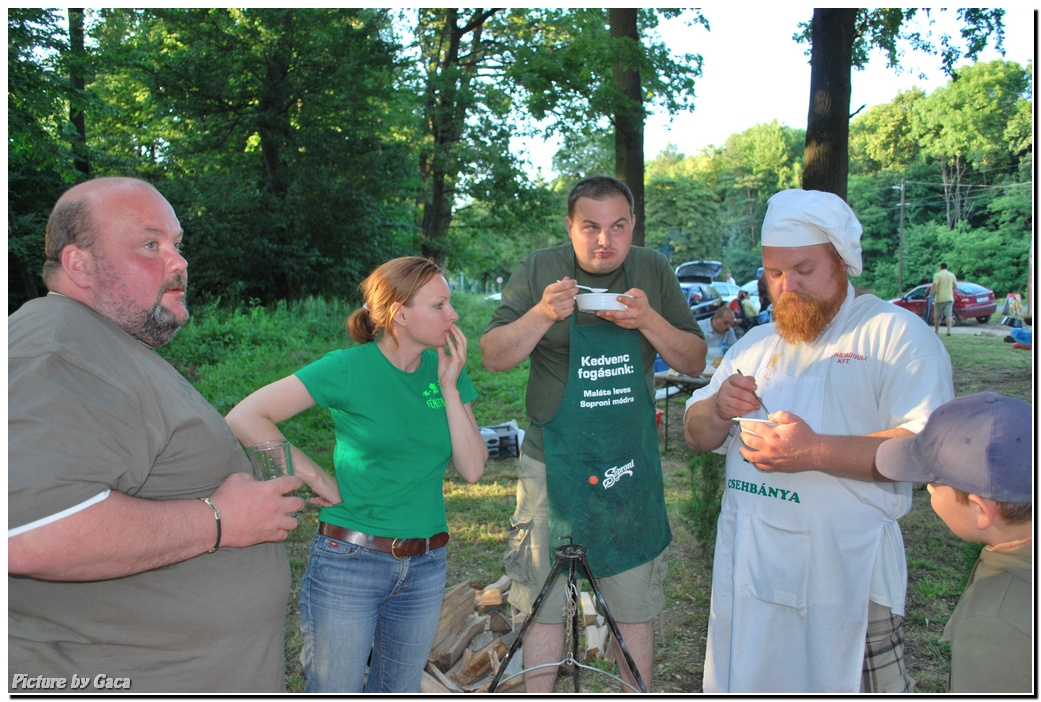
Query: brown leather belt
point(399, 548)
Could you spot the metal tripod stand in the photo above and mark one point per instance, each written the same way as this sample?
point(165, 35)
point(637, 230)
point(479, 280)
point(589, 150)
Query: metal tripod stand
point(574, 555)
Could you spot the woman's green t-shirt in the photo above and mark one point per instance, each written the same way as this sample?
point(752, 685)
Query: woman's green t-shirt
point(392, 440)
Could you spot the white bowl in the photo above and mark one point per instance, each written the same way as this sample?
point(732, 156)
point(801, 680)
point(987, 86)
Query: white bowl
point(750, 425)
point(591, 302)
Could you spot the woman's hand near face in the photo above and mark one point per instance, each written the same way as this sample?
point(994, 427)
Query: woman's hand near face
point(450, 364)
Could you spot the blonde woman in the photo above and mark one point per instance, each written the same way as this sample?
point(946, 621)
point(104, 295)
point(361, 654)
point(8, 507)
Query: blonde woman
point(401, 411)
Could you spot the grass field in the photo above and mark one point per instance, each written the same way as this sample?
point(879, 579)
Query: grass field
point(229, 353)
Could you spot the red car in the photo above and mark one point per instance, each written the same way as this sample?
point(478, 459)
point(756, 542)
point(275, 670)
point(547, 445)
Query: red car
point(970, 300)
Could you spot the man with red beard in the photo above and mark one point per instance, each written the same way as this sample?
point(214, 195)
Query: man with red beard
point(142, 555)
point(809, 576)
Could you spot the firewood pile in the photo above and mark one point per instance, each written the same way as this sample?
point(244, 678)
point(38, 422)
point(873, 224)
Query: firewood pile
point(476, 631)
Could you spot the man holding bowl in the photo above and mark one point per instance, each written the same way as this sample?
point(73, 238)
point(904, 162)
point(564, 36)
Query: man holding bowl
point(590, 466)
point(809, 576)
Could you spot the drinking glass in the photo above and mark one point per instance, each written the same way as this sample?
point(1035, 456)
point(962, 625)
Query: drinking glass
point(270, 459)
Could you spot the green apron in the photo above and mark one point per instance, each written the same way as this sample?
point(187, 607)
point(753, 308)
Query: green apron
point(603, 469)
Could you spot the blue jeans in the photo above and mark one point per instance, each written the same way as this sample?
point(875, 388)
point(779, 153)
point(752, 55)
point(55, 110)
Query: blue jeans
point(354, 601)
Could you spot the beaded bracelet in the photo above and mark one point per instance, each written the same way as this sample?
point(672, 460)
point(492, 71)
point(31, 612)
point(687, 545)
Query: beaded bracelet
point(216, 515)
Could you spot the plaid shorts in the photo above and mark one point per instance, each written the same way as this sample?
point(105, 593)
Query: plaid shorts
point(884, 669)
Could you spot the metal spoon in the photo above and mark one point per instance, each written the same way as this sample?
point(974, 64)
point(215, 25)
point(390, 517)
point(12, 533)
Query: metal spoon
point(756, 396)
point(586, 287)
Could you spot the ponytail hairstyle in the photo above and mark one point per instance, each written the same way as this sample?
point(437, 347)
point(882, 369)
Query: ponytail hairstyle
point(388, 288)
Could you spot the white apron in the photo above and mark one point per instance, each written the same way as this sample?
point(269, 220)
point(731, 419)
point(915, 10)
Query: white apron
point(793, 560)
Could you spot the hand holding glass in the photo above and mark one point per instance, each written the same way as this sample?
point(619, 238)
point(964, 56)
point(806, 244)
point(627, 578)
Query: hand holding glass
point(270, 459)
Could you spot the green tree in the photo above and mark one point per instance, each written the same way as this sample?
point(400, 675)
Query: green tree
point(683, 218)
point(590, 71)
point(583, 154)
point(488, 238)
point(279, 136)
point(454, 47)
point(882, 138)
point(491, 75)
point(757, 163)
point(39, 141)
point(962, 129)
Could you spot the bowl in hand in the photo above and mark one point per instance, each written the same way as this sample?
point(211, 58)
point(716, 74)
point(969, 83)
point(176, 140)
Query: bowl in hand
point(591, 302)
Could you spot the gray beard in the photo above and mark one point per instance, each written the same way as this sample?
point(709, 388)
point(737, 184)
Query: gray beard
point(153, 327)
point(158, 327)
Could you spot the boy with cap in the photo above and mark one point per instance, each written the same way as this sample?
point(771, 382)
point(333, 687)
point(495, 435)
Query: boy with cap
point(975, 454)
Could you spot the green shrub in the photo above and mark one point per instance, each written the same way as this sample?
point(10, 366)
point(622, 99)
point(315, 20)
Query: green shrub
point(228, 353)
point(707, 474)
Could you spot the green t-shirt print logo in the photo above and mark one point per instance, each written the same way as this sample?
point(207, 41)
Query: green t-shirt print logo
point(433, 396)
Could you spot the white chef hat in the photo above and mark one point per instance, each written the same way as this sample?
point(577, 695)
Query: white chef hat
point(806, 217)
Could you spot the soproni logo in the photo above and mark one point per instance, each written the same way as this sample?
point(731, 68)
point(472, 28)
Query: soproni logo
point(613, 475)
point(433, 396)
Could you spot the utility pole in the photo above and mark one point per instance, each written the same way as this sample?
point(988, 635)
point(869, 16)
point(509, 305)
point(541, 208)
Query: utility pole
point(900, 269)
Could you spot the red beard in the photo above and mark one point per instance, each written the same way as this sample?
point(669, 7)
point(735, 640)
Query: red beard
point(801, 319)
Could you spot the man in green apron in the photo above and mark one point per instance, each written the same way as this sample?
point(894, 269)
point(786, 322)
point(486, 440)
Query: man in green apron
point(590, 467)
point(809, 574)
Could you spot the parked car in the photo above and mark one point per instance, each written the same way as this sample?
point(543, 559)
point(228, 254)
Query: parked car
point(697, 282)
point(702, 298)
point(727, 291)
point(970, 300)
point(698, 271)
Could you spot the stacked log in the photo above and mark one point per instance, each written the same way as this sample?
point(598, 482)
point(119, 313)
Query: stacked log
point(475, 633)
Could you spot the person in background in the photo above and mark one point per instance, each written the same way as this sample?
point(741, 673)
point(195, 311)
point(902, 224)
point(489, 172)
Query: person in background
point(719, 333)
point(730, 278)
point(976, 455)
point(809, 574)
point(142, 555)
point(591, 375)
point(402, 411)
point(765, 303)
point(746, 315)
point(944, 283)
point(735, 304)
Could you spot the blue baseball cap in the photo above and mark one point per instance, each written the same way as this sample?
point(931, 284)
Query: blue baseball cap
point(981, 444)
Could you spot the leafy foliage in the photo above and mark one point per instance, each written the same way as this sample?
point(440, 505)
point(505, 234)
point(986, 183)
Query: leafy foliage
point(292, 145)
point(39, 133)
point(683, 218)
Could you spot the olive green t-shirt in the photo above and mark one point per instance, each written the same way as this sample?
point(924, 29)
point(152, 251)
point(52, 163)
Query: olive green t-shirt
point(91, 410)
point(644, 268)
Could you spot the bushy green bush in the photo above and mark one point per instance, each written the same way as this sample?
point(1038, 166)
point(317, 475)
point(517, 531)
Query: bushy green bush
point(227, 353)
point(707, 473)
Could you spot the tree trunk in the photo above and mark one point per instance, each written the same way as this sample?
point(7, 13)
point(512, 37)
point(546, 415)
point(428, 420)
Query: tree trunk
point(629, 117)
point(275, 131)
point(827, 125)
point(81, 158)
point(447, 101)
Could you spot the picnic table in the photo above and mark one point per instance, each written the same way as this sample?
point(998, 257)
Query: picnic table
point(674, 383)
